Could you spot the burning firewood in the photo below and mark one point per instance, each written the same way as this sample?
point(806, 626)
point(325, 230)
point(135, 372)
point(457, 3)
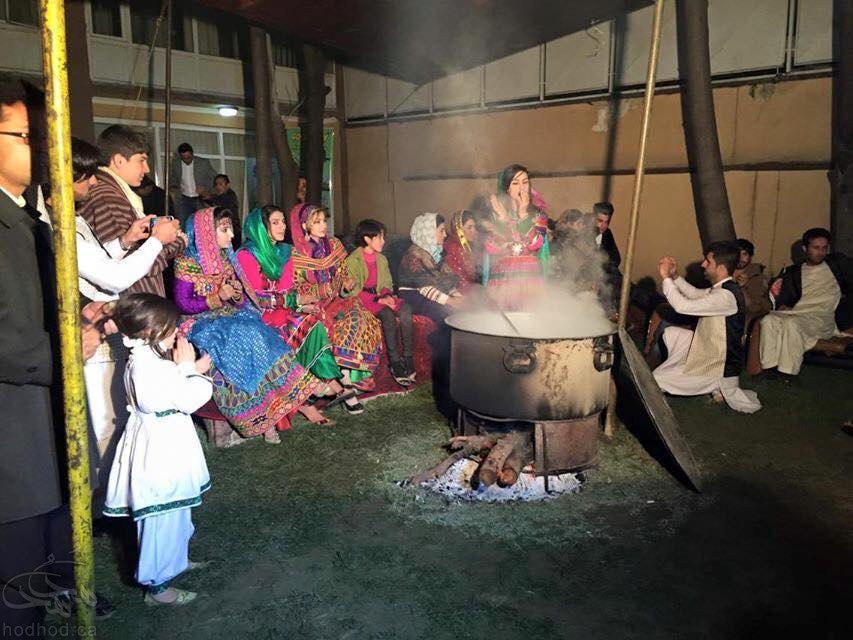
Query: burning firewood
point(476, 444)
point(462, 447)
point(514, 463)
point(511, 444)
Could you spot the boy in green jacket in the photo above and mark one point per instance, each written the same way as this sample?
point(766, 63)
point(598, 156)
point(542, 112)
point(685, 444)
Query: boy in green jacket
point(375, 288)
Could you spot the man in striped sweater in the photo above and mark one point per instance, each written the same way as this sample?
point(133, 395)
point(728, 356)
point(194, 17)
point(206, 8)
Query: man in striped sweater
point(113, 206)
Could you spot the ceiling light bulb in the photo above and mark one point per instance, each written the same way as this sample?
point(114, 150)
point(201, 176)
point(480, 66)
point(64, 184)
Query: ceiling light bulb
point(228, 112)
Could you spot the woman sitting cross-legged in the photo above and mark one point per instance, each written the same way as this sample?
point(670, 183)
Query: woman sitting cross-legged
point(258, 382)
point(321, 279)
point(266, 260)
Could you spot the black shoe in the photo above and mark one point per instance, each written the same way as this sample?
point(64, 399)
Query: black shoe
point(65, 605)
point(346, 394)
point(354, 409)
point(103, 607)
point(398, 370)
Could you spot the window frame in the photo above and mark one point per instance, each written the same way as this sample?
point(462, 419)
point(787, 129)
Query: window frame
point(25, 25)
point(90, 22)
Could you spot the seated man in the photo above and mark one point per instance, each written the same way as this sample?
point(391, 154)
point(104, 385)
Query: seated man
point(709, 359)
point(751, 279)
point(224, 196)
point(806, 298)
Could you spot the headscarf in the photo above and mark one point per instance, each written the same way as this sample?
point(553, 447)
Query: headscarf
point(202, 247)
point(303, 242)
point(316, 257)
point(242, 347)
point(423, 234)
point(201, 243)
point(457, 234)
point(538, 200)
point(271, 255)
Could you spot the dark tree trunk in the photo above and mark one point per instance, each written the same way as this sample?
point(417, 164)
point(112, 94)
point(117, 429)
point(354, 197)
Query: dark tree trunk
point(261, 85)
point(313, 90)
point(342, 221)
point(710, 198)
point(81, 89)
point(841, 173)
point(288, 170)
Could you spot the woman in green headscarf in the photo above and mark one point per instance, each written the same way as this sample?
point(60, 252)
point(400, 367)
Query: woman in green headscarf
point(265, 259)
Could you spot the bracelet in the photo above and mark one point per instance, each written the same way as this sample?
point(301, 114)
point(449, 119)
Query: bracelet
point(121, 244)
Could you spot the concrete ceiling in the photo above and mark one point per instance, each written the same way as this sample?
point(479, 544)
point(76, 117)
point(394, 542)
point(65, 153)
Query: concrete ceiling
point(421, 40)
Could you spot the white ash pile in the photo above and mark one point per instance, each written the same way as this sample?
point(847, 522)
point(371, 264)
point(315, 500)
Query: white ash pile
point(494, 468)
point(458, 483)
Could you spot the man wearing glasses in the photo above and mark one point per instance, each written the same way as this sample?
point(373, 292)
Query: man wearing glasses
point(33, 523)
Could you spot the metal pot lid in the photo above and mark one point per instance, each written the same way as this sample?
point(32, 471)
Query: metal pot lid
point(533, 326)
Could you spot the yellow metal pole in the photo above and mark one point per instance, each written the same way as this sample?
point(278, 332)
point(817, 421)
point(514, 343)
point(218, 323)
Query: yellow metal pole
point(65, 248)
point(651, 75)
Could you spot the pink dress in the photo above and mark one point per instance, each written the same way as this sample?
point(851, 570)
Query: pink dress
point(368, 295)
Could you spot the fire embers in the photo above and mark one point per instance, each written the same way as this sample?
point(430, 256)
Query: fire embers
point(492, 468)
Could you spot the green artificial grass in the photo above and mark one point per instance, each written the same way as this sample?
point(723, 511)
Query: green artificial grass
point(314, 538)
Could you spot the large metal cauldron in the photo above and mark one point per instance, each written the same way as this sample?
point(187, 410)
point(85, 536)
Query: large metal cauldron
point(551, 377)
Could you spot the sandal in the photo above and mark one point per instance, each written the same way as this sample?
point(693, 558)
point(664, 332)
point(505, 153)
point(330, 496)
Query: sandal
point(271, 437)
point(182, 597)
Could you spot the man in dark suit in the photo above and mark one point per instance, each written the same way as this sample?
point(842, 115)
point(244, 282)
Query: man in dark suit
point(33, 522)
point(603, 212)
point(606, 243)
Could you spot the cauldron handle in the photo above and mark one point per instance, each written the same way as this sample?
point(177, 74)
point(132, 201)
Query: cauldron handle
point(519, 357)
point(602, 355)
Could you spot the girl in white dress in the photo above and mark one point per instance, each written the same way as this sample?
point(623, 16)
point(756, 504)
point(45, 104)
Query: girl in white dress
point(159, 471)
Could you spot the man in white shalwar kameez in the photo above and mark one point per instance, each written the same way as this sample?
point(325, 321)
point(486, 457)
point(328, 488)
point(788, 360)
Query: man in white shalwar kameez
point(709, 359)
point(805, 301)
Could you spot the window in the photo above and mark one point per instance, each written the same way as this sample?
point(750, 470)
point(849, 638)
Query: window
point(218, 36)
point(22, 11)
point(106, 18)
point(238, 144)
point(284, 54)
point(204, 143)
point(145, 22)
